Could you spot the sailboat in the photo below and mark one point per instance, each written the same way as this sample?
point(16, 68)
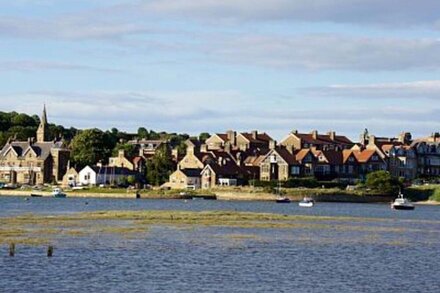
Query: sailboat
point(281, 199)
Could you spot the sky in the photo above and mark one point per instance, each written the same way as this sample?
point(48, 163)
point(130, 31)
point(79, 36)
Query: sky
point(191, 66)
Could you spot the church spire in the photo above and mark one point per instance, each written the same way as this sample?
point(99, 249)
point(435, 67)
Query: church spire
point(42, 129)
point(44, 116)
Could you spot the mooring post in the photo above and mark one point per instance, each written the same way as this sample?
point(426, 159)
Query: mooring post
point(12, 249)
point(50, 251)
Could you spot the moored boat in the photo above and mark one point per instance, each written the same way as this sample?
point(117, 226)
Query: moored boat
point(283, 199)
point(402, 203)
point(307, 202)
point(58, 193)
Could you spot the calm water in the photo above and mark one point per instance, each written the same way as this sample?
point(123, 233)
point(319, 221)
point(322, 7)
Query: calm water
point(207, 259)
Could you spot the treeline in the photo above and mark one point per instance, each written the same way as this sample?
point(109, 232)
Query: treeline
point(22, 126)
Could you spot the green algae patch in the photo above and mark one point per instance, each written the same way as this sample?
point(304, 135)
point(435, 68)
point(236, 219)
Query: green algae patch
point(35, 229)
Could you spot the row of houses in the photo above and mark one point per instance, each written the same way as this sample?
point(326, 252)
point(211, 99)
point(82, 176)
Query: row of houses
point(230, 158)
point(233, 158)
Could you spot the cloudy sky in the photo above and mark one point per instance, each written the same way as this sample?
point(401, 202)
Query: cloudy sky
point(209, 65)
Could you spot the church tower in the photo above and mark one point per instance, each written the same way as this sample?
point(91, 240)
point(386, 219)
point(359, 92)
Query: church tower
point(42, 129)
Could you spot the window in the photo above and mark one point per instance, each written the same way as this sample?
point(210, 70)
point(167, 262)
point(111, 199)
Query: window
point(295, 170)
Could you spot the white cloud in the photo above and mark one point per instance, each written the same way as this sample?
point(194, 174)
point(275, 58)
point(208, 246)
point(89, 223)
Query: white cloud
point(429, 89)
point(325, 51)
point(37, 66)
point(197, 111)
point(376, 12)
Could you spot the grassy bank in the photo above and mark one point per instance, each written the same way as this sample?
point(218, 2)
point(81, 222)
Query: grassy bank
point(424, 192)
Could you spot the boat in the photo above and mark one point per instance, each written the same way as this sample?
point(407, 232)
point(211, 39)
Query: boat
point(58, 193)
point(36, 195)
point(307, 202)
point(402, 203)
point(283, 199)
point(280, 198)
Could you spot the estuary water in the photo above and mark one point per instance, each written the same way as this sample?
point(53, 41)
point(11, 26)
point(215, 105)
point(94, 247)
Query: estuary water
point(383, 251)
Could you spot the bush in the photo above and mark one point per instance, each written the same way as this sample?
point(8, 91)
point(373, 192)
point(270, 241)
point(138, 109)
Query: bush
point(382, 181)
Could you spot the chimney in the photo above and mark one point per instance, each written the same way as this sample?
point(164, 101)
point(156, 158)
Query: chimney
point(255, 134)
point(121, 153)
point(232, 136)
point(295, 131)
point(228, 147)
point(315, 134)
point(272, 144)
point(372, 140)
point(332, 135)
point(238, 158)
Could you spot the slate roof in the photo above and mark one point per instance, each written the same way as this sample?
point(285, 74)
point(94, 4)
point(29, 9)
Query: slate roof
point(41, 149)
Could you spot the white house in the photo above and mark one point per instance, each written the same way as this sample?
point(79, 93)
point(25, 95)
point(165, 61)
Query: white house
point(88, 175)
point(97, 175)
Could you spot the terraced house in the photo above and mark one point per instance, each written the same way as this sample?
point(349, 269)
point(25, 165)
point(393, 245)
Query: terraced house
point(34, 161)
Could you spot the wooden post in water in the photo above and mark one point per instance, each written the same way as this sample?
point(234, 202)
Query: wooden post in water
point(12, 249)
point(50, 251)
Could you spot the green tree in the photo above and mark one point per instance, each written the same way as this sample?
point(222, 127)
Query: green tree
point(89, 147)
point(129, 149)
point(204, 136)
point(142, 133)
point(159, 167)
point(382, 181)
point(131, 179)
point(23, 120)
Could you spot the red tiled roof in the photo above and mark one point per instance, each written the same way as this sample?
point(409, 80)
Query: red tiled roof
point(301, 154)
point(323, 139)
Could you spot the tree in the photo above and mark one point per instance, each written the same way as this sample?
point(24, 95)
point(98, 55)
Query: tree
point(129, 150)
point(204, 136)
point(142, 133)
point(382, 181)
point(89, 147)
point(159, 167)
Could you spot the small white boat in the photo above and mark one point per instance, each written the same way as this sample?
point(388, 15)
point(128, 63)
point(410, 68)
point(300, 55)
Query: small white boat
point(401, 203)
point(58, 192)
point(307, 202)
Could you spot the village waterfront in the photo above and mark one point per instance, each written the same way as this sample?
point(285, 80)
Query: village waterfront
point(146, 245)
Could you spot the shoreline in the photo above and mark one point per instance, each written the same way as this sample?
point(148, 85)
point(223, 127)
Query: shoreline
point(220, 195)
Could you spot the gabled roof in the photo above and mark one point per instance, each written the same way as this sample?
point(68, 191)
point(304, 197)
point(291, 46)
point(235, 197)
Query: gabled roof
point(41, 149)
point(283, 154)
point(260, 137)
point(365, 155)
point(301, 154)
point(322, 139)
point(224, 170)
point(332, 157)
point(191, 172)
point(346, 154)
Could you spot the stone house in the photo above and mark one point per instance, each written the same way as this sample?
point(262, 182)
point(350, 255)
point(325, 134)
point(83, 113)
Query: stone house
point(121, 161)
point(34, 162)
point(402, 161)
point(244, 141)
point(184, 179)
point(314, 140)
point(428, 153)
point(279, 164)
point(71, 178)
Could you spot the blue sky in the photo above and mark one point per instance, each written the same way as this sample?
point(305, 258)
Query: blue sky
point(208, 65)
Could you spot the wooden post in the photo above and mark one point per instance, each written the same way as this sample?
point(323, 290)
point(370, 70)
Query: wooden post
point(12, 249)
point(50, 251)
